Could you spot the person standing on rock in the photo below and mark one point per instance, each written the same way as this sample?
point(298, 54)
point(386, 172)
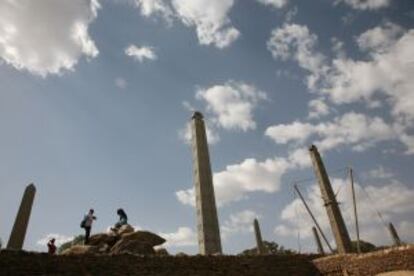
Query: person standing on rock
point(123, 219)
point(51, 247)
point(87, 224)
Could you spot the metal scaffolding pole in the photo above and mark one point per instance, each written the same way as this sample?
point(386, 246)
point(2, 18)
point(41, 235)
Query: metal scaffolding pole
point(313, 218)
point(351, 176)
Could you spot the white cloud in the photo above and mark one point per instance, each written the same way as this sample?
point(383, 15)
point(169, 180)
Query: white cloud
point(299, 158)
point(380, 38)
point(184, 236)
point(140, 53)
point(241, 222)
point(318, 108)
point(121, 83)
point(386, 71)
point(155, 7)
point(380, 173)
point(408, 141)
point(238, 180)
point(274, 3)
point(45, 37)
point(296, 131)
point(355, 129)
point(232, 104)
point(210, 18)
point(366, 4)
point(398, 203)
point(59, 239)
point(186, 197)
point(293, 41)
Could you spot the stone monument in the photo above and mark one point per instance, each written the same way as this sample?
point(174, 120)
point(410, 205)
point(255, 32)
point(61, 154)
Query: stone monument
point(260, 247)
point(340, 233)
point(18, 233)
point(207, 221)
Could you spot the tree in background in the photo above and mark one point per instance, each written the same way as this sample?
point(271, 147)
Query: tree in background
point(272, 248)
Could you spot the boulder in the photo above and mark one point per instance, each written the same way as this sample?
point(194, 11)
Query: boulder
point(132, 247)
point(103, 239)
point(80, 250)
point(125, 229)
point(144, 237)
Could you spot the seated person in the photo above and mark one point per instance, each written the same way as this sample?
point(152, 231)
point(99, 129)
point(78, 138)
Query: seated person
point(123, 220)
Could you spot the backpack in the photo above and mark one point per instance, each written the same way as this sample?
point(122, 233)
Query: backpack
point(83, 222)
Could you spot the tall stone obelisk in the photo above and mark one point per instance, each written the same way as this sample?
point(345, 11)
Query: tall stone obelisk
point(207, 221)
point(260, 247)
point(18, 233)
point(340, 233)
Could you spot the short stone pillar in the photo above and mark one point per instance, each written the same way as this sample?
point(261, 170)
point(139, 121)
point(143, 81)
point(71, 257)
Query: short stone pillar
point(259, 242)
point(18, 233)
point(318, 241)
point(395, 238)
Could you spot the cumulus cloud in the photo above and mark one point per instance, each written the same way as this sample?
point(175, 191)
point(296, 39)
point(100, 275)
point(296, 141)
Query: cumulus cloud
point(346, 80)
point(293, 41)
point(210, 18)
point(380, 38)
point(155, 8)
point(397, 205)
point(238, 180)
point(274, 3)
point(386, 71)
point(140, 53)
point(232, 104)
point(355, 129)
point(59, 239)
point(240, 222)
point(184, 236)
point(366, 4)
point(318, 108)
point(46, 37)
point(296, 131)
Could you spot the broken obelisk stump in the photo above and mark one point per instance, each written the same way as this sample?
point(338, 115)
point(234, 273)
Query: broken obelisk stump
point(258, 234)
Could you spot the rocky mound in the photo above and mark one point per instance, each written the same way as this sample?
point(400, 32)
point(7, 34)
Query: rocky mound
point(125, 240)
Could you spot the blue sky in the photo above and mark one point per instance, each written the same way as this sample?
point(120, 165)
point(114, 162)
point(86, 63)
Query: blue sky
point(95, 100)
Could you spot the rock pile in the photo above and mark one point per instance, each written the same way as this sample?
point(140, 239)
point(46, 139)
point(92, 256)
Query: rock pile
point(125, 240)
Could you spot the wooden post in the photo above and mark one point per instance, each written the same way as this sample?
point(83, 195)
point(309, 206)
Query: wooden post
point(313, 218)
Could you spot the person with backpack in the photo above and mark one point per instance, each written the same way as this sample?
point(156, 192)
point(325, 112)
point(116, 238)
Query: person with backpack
point(87, 224)
point(123, 220)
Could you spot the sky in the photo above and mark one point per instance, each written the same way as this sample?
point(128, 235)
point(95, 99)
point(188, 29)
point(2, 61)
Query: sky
point(96, 98)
